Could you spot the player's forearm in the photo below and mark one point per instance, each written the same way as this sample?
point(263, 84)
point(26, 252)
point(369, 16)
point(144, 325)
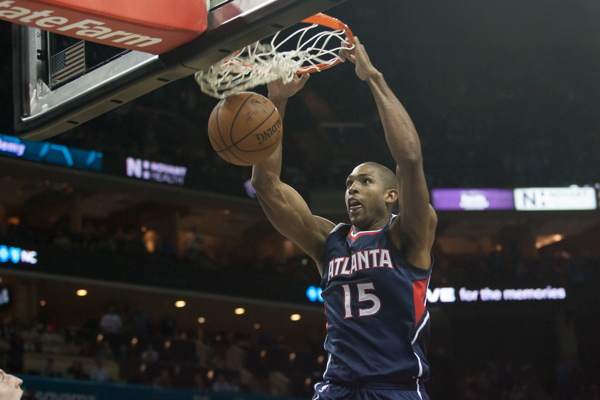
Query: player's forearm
point(267, 173)
point(280, 103)
point(400, 133)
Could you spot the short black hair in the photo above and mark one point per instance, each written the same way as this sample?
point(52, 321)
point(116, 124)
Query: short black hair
point(387, 176)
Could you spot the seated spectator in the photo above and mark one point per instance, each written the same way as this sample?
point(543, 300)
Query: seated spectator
point(71, 349)
point(221, 385)
point(163, 381)
point(106, 352)
point(199, 382)
point(99, 372)
point(124, 354)
point(75, 371)
point(150, 355)
point(85, 350)
point(180, 380)
point(111, 321)
point(234, 355)
point(30, 395)
point(49, 370)
point(202, 349)
point(141, 378)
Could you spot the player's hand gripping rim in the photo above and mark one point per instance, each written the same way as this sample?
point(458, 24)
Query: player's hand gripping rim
point(358, 56)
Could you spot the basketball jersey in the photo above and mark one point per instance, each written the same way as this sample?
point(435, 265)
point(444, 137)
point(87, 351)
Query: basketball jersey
point(377, 324)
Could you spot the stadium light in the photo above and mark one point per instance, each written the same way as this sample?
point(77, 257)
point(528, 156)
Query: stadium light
point(82, 292)
point(201, 320)
point(180, 304)
point(295, 317)
point(239, 311)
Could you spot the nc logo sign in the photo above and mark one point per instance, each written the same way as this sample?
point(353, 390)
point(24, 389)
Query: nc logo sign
point(16, 255)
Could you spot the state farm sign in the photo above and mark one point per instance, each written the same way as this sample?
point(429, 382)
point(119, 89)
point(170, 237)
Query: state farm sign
point(151, 26)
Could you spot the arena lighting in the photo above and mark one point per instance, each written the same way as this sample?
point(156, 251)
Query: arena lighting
point(295, 317)
point(201, 320)
point(180, 304)
point(448, 294)
point(42, 303)
point(82, 292)
point(546, 240)
point(256, 326)
point(239, 311)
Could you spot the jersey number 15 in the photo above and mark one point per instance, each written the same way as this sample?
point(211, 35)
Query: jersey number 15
point(363, 296)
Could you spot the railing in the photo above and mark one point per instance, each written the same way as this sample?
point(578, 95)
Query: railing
point(51, 388)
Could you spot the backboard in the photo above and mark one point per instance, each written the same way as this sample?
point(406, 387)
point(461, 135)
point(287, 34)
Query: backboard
point(51, 99)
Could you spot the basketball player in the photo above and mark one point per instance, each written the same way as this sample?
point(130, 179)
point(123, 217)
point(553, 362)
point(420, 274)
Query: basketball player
point(10, 387)
point(374, 272)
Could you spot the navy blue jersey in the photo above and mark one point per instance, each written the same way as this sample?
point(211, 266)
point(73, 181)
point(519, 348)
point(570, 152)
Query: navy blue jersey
point(377, 324)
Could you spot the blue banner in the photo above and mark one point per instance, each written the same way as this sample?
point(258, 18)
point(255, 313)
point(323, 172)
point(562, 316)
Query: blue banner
point(50, 153)
point(59, 389)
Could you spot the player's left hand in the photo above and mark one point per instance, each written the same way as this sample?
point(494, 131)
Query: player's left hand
point(358, 55)
point(277, 89)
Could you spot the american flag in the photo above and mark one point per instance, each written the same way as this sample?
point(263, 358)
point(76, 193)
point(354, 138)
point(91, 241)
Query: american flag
point(68, 63)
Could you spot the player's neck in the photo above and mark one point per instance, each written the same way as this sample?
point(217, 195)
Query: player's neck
point(374, 227)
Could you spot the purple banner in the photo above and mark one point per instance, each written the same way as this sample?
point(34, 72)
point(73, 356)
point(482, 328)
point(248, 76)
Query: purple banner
point(473, 199)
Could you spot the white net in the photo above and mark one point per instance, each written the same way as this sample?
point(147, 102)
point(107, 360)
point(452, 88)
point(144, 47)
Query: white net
point(261, 63)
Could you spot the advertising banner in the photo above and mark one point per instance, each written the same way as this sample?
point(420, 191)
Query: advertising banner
point(449, 294)
point(472, 199)
point(553, 199)
point(50, 153)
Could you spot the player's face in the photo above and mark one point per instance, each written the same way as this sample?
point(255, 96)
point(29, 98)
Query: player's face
point(365, 197)
point(10, 387)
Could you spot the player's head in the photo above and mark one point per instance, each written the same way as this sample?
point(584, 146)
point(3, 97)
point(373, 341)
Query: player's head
point(371, 192)
point(10, 387)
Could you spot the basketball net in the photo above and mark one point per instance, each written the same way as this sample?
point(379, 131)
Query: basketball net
point(261, 63)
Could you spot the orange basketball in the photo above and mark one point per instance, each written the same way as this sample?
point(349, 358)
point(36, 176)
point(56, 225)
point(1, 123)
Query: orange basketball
point(245, 129)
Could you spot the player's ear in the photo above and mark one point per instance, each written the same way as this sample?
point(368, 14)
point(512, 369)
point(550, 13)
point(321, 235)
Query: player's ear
point(391, 196)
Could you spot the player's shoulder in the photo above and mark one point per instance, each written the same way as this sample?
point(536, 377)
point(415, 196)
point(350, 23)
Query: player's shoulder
point(339, 232)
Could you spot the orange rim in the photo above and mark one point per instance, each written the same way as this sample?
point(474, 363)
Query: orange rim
point(323, 20)
point(335, 24)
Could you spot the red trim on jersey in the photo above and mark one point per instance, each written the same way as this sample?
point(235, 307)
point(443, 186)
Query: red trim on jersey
point(353, 236)
point(419, 293)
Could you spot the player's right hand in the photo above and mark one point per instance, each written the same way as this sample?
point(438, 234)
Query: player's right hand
point(277, 89)
point(358, 56)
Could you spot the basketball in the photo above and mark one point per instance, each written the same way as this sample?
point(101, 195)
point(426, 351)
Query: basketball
point(245, 129)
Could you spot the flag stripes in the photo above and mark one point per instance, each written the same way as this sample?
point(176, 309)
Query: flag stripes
point(68, 63)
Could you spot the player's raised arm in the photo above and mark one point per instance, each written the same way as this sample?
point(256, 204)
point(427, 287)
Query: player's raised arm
point(284, 207)
point(414, 230)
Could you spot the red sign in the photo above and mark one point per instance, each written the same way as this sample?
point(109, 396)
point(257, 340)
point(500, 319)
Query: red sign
point(152, 26)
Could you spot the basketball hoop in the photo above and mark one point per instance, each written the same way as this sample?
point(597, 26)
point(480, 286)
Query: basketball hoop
point(261, 63)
